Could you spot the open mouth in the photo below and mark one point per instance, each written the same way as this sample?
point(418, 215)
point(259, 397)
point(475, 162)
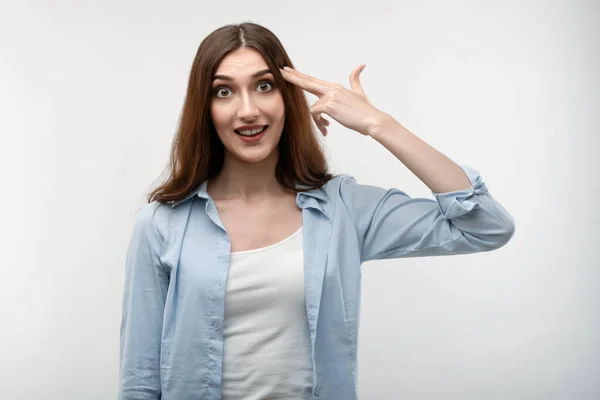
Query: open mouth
point(251, 133)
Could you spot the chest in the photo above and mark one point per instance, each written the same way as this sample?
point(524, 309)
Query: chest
point(253, 227)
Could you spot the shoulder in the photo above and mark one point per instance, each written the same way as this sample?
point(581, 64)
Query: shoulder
point(152, 219)
point(338, 183)
point(346, 188)
point(344, 192)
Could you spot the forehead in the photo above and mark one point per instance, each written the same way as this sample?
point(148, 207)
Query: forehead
point(241, 62)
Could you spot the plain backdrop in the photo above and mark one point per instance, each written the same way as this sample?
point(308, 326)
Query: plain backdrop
point(90, 96)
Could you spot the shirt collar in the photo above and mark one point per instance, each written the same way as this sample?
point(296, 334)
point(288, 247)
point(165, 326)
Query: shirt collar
point(315, 198)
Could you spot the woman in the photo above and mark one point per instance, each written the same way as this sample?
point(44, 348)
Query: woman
point(243, 271)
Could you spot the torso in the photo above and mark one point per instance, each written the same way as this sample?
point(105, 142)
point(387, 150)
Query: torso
point(261, 225)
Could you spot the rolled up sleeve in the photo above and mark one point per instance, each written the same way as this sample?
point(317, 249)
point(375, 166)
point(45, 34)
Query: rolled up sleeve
point(145, 289)
point(391, 224)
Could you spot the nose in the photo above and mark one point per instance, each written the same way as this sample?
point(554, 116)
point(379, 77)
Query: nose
point(247, 110)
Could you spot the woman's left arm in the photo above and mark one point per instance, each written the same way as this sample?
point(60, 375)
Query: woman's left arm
point(463, 218)
point(391, 224)
point(457, 189)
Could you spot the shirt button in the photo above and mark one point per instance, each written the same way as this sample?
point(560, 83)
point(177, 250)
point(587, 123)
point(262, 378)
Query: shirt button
point(317, 390)
point(213, 367)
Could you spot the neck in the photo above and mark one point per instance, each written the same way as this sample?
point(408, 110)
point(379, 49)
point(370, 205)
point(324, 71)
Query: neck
point(239, 180)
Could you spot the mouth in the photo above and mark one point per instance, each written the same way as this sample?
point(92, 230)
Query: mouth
point(253, 136)
point(251, 133)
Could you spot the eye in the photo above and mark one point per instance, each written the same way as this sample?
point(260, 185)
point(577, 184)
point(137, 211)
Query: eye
point(269, 83)
point(266, 86)
point(220, 90)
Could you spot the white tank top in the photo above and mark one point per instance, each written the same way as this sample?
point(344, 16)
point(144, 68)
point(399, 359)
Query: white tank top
point(266, 337)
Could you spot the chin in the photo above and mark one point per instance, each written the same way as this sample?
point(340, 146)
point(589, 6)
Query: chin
point(253, 156)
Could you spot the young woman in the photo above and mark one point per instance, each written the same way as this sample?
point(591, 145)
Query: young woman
point(243, 272)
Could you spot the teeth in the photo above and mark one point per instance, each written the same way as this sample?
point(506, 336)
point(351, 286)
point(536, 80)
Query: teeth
point(251, 132)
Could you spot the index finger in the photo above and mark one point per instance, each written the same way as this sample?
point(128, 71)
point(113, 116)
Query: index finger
point(311, 85)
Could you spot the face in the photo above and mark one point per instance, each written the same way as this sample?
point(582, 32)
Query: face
point(244, 99)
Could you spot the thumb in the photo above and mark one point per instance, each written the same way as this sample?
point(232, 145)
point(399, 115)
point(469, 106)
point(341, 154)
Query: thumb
point(355, 79)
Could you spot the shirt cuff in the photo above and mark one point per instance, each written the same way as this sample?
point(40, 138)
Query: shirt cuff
point(460, 202)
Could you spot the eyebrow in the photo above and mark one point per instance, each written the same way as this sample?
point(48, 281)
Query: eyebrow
point(254, 75)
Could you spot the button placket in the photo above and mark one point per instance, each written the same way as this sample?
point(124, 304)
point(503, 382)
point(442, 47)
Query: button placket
point(216, 324)
point(317, 390)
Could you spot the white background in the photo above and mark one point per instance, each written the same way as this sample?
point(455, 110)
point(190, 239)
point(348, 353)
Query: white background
point(90, 95)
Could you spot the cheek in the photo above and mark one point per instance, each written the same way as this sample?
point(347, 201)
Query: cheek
point(219, 121)
point(220, 118)
point(216, 114)
point(278, 108)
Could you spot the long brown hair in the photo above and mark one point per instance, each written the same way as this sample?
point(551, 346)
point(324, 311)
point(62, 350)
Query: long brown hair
point(197, 153)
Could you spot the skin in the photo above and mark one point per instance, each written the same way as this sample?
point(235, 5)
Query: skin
point(249, 168)
point(254, 208)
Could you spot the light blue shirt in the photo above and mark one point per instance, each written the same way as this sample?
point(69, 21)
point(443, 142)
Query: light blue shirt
point(178, 258)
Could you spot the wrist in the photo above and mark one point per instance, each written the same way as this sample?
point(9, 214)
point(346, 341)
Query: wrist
point(380, 124)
